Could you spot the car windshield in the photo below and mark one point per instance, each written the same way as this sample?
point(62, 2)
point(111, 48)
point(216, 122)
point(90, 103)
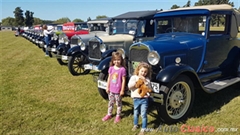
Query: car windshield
point(125, 26)
point(59, 28)
point(189, 24)
point(97, 26)
point(81, 27)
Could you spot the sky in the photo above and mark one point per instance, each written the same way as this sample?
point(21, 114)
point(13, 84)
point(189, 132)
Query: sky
point(82, 9)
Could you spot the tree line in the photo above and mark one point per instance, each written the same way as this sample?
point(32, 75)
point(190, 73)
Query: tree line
point(29, 20)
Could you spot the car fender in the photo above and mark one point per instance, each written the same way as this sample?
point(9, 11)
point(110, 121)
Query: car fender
point(104, 63)
point(61, 47)
point(171, 72)
point(108, 53)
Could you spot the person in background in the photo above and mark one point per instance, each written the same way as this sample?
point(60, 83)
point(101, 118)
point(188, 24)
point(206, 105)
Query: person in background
point(143, 71)
point(115, 85)
point(47, 37)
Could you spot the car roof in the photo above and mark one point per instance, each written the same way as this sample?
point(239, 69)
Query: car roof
point(100, 20)
point(137, 14)
point(205, 7)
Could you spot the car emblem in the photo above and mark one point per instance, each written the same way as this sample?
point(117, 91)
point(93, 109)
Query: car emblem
point(94, 46)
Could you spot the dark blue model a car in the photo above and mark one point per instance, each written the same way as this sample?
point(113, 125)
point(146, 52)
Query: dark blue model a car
point(194, 48)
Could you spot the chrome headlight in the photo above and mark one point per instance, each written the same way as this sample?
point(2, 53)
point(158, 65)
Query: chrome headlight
point(55, 36)
point(66, 41)
point(122, 52)
point(153, 58)
point(82, 46)
point(103, 48)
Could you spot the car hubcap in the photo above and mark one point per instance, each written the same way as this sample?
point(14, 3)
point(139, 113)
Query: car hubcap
point(178, 100)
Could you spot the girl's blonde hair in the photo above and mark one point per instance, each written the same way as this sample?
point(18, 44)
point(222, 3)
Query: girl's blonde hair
point(116, 55)
point(143, 65)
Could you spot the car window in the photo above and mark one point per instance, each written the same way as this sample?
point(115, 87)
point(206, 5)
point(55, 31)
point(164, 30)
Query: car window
point(189, 24)
point(218, 24)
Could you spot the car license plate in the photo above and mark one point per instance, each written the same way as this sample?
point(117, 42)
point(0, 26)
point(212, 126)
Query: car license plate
point(53, 49)
point(90, 66)
point(102, 84)
point(64, 57)
point(73, 46)
point(155, 87)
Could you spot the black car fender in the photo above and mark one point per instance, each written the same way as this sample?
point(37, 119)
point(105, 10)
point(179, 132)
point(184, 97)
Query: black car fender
point(75, 50)
point(171, 72)
point(108, 53)
point(61, 47)
point(104, 63)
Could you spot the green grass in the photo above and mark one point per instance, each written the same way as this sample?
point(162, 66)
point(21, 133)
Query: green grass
point(40, 97)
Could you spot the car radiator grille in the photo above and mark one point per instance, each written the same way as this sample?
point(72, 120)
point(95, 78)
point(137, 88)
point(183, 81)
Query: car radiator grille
point(94, 50)
point(74, 41)
point(136, 56)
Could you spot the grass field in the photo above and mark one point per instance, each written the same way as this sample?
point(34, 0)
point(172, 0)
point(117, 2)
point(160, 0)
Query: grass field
point(40, 97)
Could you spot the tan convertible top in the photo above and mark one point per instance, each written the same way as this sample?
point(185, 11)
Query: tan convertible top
point(207, 7)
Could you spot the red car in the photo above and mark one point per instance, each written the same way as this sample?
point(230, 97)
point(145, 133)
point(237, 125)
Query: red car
point(72, 28)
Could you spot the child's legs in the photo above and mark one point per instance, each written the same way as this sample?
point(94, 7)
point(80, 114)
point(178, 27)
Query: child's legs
point(118, 100)
point(111, 103)
point(144, 107)
point(136, 111)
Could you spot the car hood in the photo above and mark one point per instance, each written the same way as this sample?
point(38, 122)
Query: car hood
point(117, 38)
point(85, 38)
point(176, 42)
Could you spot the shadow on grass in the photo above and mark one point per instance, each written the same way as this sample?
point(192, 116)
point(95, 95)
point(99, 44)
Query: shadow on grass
point(204, 103)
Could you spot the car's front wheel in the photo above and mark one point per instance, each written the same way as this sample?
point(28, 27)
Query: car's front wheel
point(76, 64)
point(60, 61)
point(178, 100)
point(103, 76)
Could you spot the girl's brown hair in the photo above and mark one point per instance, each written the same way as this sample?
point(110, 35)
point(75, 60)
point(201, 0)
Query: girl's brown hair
point(116, 55)
point(143, 65)
point(44, 27)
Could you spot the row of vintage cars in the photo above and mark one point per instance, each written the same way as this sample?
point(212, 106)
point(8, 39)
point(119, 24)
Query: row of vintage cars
point(188, 49)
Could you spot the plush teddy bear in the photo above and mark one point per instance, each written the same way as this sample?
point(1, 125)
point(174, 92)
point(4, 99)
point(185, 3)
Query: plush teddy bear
point(143, 89)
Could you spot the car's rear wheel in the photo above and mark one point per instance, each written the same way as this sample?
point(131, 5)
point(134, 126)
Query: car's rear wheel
point(103, 76)
point(76, 64)
point(178, 100)
point(60, 61)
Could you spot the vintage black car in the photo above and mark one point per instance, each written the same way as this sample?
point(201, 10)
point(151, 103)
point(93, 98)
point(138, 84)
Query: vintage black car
point(78, 53)
point(127, 28)
point(195, 48)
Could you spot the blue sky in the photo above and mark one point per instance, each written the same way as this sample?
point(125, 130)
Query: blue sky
point(82, 9)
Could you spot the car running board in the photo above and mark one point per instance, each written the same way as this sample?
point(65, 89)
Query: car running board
point(221, 84)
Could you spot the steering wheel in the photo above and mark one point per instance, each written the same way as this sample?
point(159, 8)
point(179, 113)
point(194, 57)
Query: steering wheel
point(171, 29)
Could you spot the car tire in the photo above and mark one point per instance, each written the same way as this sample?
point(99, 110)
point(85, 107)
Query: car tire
point(178, 100)
point(75, 64)
point(60, 61)
point(103, 76)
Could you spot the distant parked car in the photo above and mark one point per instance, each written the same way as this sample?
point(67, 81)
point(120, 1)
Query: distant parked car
point(77, 55)
point(189, 53)
point(68, 30)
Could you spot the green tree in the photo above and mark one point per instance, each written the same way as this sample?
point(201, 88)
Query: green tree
point(89, 19)
point(29, 20)
point(19, 19)
point(9, 21)
point(188, 4)
point(101, 16)
point(62, 20)
point(37, 21)
point(175, 6)
point(78, 20)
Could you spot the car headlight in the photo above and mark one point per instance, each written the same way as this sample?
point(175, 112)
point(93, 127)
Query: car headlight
point(55, 37)
point(153, 58)
point(122, 52)
point(102, 48)
point(83, 46)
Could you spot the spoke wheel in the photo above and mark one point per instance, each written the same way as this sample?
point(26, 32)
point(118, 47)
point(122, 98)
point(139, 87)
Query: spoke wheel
point(76, 64)
point(178, 101)
point(60, 61)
